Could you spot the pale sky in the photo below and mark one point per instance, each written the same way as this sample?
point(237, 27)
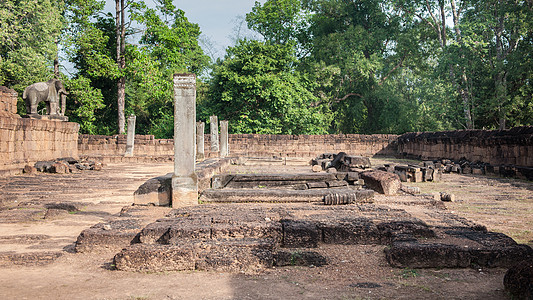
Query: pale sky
point(218, 19)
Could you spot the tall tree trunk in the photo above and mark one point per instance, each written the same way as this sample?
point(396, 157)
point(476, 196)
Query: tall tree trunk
point(121, 84)
point(462, 88)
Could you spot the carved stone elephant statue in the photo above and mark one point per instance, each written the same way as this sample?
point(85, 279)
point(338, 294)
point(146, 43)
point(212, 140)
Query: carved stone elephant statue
point(51, 92)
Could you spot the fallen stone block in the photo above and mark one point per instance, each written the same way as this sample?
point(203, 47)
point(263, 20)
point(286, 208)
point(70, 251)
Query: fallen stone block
point(382, 182)
point(43, 166)
point(316, 168)
point(156, 191)
point(447, 197)
point(29, 169)
point(110, 236)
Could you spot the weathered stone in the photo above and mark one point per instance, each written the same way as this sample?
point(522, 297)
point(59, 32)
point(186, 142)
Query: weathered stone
point(220, 181)
point(439, 255)
point(213, 127)
point(184, 179)
point(299, 257)
point(29, 169)
point(277, 195)
point(155, 191)
point(338, 199)
point(44, 166)
point(336, 183)
point(52, 214)
point(413, 190)
point(350, 232)
point(357, 161)
point(130, 138)
point(316, 168)
point(59, 168)
point(352, 176)
point(300, 234)
point(224, 141)
point(382, 182)
point(200, 140)
point(317, 185)
point(331, 170)
point(447, 197)
point(110, 236)
point(518, 280)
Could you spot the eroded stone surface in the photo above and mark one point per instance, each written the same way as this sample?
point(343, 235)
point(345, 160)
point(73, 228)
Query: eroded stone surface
point(382, 182)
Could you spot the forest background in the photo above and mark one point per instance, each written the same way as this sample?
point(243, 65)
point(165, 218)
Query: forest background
point(315, 66)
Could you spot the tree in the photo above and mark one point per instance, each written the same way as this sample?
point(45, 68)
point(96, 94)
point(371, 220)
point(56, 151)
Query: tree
point(257, 90)
point(120, 24)
point(29, 31)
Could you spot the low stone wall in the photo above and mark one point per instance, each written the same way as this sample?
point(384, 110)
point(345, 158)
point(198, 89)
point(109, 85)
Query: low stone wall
point(8, 102)
point(26, 141)
point(103, 145)
point(250, 145)
point(495, 147)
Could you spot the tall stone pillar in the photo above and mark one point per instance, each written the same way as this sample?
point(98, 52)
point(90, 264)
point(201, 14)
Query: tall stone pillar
point(213, 126)
point(130, 138)
point(184, 180)
point(224, 142)
point(200, 152)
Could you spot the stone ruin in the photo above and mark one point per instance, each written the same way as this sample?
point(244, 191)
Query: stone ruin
point(247, 222)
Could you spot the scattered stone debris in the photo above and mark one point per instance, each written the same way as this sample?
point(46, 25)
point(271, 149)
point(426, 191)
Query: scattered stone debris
point(340, 162)
point(63, 165)
point(413, 190)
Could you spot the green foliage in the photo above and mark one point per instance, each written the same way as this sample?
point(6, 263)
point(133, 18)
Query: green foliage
point(28, 34)
point(279, 21)
point(257, 90)
point(84, 104)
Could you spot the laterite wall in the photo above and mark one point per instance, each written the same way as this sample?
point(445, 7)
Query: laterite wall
point(496, 147)
point(26, 141)
point(252, 145)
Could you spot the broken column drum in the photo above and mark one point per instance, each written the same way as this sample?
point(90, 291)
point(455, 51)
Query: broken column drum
point(130, 138)
point(200, 148)
point(213, 126)
point(224, 142)
point(184, 179)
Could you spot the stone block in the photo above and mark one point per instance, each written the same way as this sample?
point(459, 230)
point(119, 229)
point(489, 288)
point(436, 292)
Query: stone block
point(300, 234)
point(155, 191)
point(382, 182)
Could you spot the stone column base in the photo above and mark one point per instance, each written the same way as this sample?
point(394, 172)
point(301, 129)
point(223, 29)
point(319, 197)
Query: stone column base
point(184, 191)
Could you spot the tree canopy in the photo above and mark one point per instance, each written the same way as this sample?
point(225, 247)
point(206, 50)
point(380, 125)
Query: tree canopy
point(319, 66)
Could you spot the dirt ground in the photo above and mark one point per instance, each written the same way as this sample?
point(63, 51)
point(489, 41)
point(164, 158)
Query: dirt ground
point(38, 231)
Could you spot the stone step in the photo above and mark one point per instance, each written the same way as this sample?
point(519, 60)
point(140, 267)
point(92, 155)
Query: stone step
point(279, 195)
point(243, 255)
point(458, 250)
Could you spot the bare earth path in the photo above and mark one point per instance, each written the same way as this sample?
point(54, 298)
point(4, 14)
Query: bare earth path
point(37, 235)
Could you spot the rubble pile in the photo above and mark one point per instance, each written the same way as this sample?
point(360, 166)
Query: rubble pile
point(63, 165)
